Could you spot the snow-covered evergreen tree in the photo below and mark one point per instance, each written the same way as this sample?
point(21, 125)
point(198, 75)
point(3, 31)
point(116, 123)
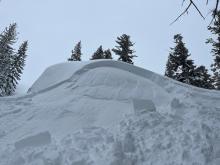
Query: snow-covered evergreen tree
point(99, 54)
point(171, 66)
point(7, 39)
point(179, 66)
point(19, 63)
point(123, 50)
point(76, 53)
point(186, 74)
point(215, 67)
point(202, 78)
point(108, 54)
point(11, 63)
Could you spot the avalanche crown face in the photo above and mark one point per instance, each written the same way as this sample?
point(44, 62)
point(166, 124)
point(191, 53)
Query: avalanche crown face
point(112, 113)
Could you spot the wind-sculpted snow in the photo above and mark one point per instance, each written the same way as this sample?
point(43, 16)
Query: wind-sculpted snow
point(109, 113)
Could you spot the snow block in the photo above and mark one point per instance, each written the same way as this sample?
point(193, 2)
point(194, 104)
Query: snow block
point(143, 106)
point(34, 141)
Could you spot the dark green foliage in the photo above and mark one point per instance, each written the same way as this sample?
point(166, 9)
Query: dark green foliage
point(215, 67)
point(202, 78)
point(11, 63)
point(216, 80)
point(108, 54)
point(179, 66)
point(7, 39)
point(99, 54)
point(171, 66)
point(19, 61)
point(76, 53)
point(123, 50)
point(186, 74)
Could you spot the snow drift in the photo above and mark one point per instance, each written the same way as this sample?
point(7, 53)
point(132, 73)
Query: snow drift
point(109, 113)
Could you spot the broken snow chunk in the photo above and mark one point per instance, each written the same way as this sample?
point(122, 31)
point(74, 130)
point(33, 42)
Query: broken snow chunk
point(143, 106)
point(175, 103)
point(40, 139)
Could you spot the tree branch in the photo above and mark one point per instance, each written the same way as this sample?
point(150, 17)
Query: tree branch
point(192, 3)
point(200, 13)
point(215, 11)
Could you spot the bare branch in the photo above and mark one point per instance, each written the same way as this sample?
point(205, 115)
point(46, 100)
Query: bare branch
point(185, 11)
point(192, 4)
point(197, 9)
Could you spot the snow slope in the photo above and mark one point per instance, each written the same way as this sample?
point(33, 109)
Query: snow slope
point(109, 113)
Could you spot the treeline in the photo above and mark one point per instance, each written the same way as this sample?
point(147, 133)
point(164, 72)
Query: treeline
point(182, 68)
point(179, 66)
point(123, 49)
point(12, 61)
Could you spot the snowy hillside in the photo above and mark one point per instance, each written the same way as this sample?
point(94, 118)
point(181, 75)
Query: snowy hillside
point(109, 113)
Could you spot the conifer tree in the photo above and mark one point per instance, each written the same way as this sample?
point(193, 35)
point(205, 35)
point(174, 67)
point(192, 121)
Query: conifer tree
point(76, 53)
point(171, 66)
point(123, 50)
point(99, 54)
point(179, 66)
point(108, 54)
point(19, 63)
point(202, 78)
point(11, 63)
point(215, 67)
point(186, 74)
point(7, 39)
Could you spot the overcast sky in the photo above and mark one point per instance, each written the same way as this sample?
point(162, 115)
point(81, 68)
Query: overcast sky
point(53, 27)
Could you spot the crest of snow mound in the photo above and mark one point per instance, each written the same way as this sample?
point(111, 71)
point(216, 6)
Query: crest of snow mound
point(60, 73)
point(55, 74)
point(109, 113)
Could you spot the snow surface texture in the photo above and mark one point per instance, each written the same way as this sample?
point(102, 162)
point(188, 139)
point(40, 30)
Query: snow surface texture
point(109, 113)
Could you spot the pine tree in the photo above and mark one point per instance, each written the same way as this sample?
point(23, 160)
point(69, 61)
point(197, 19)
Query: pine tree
point(202, 78)
point(186, 74)
point(108, 54)
point(171, 66)
point(19, 63)
point(215, 67)
point(179, 67)
point(99, 54)
point(123, 50)
point(11, 63)
point(7, 39)
point(76, 53)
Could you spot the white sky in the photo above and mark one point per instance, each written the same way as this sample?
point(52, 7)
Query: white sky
point(53, 27)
